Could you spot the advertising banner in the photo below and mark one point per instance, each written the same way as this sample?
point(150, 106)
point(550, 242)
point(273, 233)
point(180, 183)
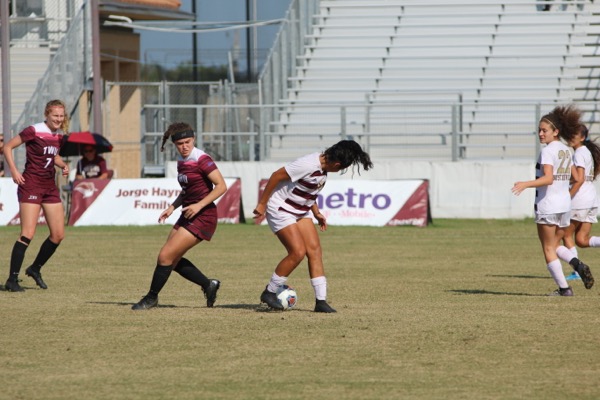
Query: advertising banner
point(372, 202)
point(139, 201)
point(9, 205)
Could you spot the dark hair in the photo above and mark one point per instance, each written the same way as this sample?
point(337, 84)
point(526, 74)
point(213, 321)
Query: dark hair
point(565, 119)
point(593, 147)
point(347, 153)
point(174, 128)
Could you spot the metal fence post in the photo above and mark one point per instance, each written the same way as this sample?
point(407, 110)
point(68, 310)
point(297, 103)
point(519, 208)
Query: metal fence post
point(343, 122)
point(251, 154)
point(454, 132)
point(199, 127)
point(367, 128)
point(538, 116)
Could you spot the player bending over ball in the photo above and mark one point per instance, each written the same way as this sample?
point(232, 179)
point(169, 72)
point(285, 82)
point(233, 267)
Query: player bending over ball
point(287, 202)
point(201, 184)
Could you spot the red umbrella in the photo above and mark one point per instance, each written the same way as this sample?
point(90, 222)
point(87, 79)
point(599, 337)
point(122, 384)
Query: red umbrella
point(76, 141)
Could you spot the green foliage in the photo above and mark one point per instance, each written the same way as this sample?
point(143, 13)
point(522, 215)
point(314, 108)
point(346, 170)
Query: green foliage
point(182, 73)
point(453, 311)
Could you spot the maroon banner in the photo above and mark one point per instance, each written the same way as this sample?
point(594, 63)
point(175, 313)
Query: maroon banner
point(84, 193)
point(416, 210)
point(229, 205)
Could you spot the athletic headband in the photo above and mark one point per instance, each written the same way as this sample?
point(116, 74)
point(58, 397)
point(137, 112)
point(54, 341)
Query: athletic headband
point(550, 122)
point(182, 135)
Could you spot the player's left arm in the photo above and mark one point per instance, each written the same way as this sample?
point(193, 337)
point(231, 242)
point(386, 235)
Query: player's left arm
point(320, 217)
point(60, 163)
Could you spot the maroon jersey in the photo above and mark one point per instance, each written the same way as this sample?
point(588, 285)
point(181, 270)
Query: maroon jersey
point(41, 145)
point(192, 174)
point(91, 169)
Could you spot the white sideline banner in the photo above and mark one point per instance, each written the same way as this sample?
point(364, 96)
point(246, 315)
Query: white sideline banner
point(466, 189)
point(373, 203)
point(9, 205)
point(139, 201)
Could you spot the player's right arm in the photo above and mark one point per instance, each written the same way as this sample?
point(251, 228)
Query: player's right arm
point(277, 177)
point(544, 180)
point(577, 179)
point(167, 213)
point(8, 157)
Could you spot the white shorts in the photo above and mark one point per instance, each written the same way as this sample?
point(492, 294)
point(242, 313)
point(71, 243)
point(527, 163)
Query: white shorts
point(585, 215)
point(278, 220)
point(561, 219)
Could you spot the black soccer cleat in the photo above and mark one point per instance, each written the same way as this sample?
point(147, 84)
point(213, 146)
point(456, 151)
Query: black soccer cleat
point(568, 292)
point(13, 286)
point(37, 277)
point(322, 306)
point(270, 299)
point(211, 292)
point(585, 274)
point(146, 303)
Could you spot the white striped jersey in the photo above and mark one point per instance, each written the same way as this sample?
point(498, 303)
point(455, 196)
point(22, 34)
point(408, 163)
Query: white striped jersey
point(298, 195)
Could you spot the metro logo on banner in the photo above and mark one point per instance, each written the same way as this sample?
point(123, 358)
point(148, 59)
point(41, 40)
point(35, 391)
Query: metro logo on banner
point(373, 203)
point(139, 201)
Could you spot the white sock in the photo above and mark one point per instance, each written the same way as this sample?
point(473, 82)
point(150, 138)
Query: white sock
point(275, 282)
point(594, 241)
point(564, 254)
point(555, 268)
point(574, 251)
point(320, 285)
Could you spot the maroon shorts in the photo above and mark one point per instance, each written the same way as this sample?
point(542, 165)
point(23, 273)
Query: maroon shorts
point(203, 225)
point(38, 194)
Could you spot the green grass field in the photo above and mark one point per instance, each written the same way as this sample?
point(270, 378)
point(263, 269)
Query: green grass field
point(453, 311)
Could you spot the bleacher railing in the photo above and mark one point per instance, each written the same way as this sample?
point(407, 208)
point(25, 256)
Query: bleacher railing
point(394, 130)
point(281, 61)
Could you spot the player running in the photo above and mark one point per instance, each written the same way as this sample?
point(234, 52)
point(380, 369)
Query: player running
point(201, 184)
point(584, 199)
point(553, 199)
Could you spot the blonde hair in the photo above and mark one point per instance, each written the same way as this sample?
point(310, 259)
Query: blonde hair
point(58, 103)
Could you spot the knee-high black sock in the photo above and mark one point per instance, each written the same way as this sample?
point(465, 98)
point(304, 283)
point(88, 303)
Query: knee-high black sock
point(46, 250)
point(160, 277)
point(190, 272)
point(16, 259)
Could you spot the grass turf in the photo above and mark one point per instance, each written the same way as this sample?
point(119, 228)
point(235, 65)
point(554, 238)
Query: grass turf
point(456, 310)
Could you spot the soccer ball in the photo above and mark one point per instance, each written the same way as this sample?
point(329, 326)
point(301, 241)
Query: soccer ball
point(287, 297)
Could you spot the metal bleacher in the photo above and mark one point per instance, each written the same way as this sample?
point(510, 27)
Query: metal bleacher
point(406, 77)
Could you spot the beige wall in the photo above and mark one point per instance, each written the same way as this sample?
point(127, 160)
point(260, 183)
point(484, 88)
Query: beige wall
point(122, 127)
point(121, 108)
point(122, 46)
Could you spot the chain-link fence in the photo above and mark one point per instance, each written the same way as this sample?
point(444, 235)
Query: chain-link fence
point(60, 28)
point(41, 23)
